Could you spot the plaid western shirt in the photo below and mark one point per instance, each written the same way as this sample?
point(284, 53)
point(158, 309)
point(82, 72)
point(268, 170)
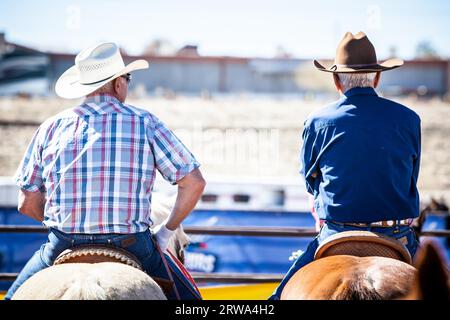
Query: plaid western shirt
point(97, 165)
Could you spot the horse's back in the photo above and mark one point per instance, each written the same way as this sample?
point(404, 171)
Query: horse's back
point(348, 277)
point(85, 281)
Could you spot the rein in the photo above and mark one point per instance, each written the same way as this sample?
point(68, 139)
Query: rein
point(187, 275)
point(168, 270)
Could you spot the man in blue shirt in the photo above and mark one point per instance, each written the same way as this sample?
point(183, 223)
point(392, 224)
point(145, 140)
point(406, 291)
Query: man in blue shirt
point(361, 154)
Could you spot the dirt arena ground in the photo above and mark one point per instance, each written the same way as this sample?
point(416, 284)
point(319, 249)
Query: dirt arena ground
point(239, 136)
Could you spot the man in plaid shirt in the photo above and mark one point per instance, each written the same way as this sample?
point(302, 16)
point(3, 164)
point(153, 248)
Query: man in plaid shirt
point(89, 171)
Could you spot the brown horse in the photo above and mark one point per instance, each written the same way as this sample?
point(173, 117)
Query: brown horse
point(344, 277)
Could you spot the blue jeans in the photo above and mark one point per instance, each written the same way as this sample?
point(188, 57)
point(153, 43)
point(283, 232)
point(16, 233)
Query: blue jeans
point(328, 229)
point(140, 244)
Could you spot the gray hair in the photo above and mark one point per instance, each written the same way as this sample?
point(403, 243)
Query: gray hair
point(106, 88)
point(353, 80)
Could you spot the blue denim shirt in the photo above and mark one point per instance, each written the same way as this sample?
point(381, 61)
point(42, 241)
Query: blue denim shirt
point(365, 151)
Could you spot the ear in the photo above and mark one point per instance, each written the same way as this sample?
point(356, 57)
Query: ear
point(432, 280)
point(116, 85)
point(377, 79)
point(337, 82)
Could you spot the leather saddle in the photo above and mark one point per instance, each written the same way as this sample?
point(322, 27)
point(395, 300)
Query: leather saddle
point(93, 253)
point(363, 244)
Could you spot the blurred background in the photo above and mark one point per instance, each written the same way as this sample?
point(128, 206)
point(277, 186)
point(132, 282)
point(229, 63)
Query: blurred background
point(232, 78)
point(235, 81)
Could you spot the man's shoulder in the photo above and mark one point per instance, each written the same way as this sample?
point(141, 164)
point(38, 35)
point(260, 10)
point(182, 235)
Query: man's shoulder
point(400, 109)
point(334, 112)
point(140, 112)
point(324, 116)
point(75, 112)
point(65, 114)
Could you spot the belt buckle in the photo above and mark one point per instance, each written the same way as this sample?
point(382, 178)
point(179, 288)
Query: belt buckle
point(386, 223)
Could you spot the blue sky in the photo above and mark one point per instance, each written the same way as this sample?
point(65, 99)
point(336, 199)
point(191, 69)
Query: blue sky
point(306, 29)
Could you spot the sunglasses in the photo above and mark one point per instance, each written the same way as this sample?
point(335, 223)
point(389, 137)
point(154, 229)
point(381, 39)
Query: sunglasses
point(127, 77)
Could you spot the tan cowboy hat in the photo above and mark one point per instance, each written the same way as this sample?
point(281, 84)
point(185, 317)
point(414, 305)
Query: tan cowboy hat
point(93, 68)
point(356, 54)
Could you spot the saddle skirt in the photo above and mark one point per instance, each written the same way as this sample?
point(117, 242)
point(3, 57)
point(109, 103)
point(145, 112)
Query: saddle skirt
point(363, 244)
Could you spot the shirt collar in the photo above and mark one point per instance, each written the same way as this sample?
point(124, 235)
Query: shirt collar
point(360, 91)
point(101, 98)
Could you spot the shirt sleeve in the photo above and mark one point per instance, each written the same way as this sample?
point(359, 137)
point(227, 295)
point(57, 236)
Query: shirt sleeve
point(416, 160)
point(173, 160)
point(308, 158)
point(29, 173)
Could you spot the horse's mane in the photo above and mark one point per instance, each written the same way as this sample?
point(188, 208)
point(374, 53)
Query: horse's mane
point(358, 290)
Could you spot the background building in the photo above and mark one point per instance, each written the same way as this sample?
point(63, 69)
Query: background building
point(27, 71)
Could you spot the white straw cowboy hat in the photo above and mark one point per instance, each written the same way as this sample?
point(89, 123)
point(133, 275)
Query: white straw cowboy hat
point(93, 68)
point(356, 54)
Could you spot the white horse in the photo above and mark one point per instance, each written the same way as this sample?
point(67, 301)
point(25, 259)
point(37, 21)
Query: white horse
point(104, 280)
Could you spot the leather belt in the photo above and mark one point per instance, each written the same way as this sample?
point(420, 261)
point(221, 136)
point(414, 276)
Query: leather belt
point(382, 224)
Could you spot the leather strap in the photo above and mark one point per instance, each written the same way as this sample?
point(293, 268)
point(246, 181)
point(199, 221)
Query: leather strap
point(196, 292)
point(383, 224)
point(166, 265)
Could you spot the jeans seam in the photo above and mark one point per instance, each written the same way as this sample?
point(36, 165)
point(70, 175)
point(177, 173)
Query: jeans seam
point(43, 257)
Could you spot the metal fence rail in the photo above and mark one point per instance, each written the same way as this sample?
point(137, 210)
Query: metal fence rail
point(201, 277)
point(22, 229)
point(226, 231)
point(214, 230)
point(252, 231)
point(8, 276)
point(436, 233)
point(20, 123)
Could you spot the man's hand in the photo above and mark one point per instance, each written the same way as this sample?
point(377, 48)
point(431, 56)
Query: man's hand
point(190, 188)
point(163, 235)
point(32, 204)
